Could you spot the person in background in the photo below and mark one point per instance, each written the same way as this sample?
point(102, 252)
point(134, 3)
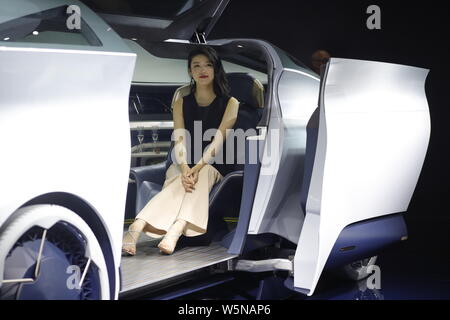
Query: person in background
point(318, 59)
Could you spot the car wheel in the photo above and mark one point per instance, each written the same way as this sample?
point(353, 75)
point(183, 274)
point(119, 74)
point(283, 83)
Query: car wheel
point(49, 252)
point(357, 270)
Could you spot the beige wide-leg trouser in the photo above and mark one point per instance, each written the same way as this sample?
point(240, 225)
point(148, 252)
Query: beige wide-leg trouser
point(173, 203)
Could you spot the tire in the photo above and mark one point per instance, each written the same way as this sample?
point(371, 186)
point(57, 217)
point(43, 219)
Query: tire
point(70, 255)
point(357, 270)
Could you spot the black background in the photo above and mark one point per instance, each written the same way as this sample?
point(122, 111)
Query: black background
point(411, 34)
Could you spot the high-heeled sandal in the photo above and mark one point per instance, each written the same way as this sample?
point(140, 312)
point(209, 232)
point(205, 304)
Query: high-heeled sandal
point(169, 242)
point(129, 248)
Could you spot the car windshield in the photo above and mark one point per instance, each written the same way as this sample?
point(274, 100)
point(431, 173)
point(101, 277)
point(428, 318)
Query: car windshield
point(290, 61)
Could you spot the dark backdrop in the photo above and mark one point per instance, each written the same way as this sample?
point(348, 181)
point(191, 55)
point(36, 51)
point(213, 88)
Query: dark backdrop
point(410, 34)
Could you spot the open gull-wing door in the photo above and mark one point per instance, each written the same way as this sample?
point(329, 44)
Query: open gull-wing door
point(373, 133)
point(161, 20)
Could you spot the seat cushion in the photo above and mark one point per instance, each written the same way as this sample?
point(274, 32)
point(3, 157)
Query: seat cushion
point(147, 191)
point(227, 192)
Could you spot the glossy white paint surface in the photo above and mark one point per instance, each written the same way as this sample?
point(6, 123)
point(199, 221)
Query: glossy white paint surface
point(64, 128)
point(276, 208)
point(373, 136)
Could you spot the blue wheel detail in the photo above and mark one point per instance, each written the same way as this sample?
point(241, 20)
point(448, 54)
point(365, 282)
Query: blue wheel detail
point(62, 265)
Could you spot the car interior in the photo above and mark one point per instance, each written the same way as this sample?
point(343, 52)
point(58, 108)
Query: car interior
point(151, 98)
point(149, 179)
point(153, 101)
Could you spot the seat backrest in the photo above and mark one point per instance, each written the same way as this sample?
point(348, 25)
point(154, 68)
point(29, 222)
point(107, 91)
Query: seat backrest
point(246, 89)
point(243, 87)
point(249, 92)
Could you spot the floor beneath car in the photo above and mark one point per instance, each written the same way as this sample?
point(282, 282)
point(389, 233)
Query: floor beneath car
point(414, 269)
point(150, 268)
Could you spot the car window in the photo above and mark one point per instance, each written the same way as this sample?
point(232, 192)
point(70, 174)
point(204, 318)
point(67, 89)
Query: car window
point(49, 26)
point(289, 61)
point(233, 66)
point(153, 68)
point(150, 103)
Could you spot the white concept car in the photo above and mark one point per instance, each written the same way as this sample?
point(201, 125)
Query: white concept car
point(337, 156)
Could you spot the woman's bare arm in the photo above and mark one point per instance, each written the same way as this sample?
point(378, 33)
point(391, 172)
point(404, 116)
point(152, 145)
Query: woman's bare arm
point(179, 135)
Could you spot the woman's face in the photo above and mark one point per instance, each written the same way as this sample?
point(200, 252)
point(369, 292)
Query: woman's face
point(202, 70)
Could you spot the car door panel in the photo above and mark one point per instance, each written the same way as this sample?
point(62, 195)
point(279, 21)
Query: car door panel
point(277, 209)
point(64, 118)
point(373, 134)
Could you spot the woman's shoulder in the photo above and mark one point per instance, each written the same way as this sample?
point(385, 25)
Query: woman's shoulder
point(179, 103)
point(232, 101)
point(183, 99)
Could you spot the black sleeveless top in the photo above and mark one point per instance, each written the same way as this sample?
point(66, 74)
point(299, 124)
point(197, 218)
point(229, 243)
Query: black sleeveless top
point(209, 117)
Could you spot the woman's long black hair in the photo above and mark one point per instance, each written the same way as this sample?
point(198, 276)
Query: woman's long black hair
point(220, 83)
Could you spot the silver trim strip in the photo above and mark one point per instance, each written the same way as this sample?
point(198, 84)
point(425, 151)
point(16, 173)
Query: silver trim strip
point(303, 73)
point(18, 280)
point(177, 40)
point(41, 248)
point(149, 124)
point(71, 51)
point(85, 272)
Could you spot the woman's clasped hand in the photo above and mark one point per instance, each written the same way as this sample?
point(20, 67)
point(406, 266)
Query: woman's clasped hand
point(189, 178)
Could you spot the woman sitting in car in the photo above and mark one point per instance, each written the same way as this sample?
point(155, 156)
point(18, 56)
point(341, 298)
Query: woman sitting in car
point(182, 205)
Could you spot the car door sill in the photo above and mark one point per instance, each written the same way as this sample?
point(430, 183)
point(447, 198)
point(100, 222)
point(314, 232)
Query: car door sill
point(148, 268)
